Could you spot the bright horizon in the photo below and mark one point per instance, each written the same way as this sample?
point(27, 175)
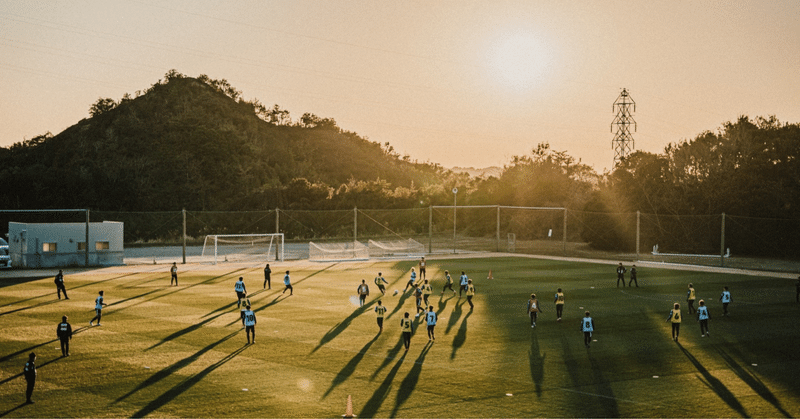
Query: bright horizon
point(468, 84)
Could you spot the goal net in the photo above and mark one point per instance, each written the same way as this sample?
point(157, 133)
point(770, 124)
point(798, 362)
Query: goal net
point(244, 247)
point(396, 248)
point(337, 251)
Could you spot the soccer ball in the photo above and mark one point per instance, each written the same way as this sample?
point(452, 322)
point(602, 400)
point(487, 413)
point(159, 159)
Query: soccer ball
point(396, 292)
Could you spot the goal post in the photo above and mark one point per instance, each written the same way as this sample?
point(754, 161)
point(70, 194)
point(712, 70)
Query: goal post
point(244, 247)
point(396, 248)
point(337, 251)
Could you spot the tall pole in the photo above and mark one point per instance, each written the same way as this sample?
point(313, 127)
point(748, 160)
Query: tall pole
point(497, 248)
point(623, 143)
point(722, 243)
point(355, 224)
point(564, 237)
point(87, 238)
point(455, 195)
point(184, 236)
point(638, 225)
point(430, 228)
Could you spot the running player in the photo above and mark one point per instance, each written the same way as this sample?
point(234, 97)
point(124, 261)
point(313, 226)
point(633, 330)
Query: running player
point(430, 318)
point(633, 277)
point(690, 297)
point(470, 293)
point(98, 308)
point(533, 309)
point(245, 302)
point(559, 300)
point(449, 283)
point(379, 281)
point(702, 317)
point(726, 299)
point(463, 283)
point(249, 323)
point(418, 295)
point(587, 327)
point(412, 282)
point(241, 291)
point(288, 283)
point(675, 318)
point(381, 311)
point(426, 292)
point(363, 292)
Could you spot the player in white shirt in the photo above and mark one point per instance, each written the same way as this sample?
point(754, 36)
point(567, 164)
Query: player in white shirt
point(249, 322)
point(287, 282)
point(98, 308)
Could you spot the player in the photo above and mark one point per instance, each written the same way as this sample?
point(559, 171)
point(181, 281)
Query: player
point(418, 295)
point(675, 318)
point(174, 273)
point(59, 280)
point(381, 311)
point(64, 333)
point(379, 281)
point(288, 283)
point(249, 323)
point(463, 283)
point(412, 282)
point(426, 292)
point(30, 376)
point(533, 309)
point(587, 327)
point(621, 274)
point(449, 283)
point(422, 268)
point(702, 317)
point(633, 277)
point(245, 301)
point(470, 293)
point(267, 279)
point(98, 308)
point(690, 297)
point(726, 299)
point(559, 300)
point(430, 318)
point(407, 328)
point(363, 292)
point(241, 291)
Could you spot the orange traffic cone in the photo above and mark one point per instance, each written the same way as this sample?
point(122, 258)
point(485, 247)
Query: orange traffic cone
point(348, 411)
point(490, 275)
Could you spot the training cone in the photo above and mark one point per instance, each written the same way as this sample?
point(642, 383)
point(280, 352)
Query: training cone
point(348, 411)
point(490, 275)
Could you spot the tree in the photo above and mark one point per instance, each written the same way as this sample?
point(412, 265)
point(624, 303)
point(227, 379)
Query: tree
point(102, 106)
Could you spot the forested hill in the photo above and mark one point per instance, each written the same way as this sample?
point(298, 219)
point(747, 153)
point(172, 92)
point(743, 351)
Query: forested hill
point(194, 143)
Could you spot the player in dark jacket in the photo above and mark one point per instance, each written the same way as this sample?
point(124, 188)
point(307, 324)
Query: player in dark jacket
point(64, 333)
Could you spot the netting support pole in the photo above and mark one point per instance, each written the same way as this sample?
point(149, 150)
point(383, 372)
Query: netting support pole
point(722, 242)
point(430, 228)
point(497, 247)
point(184, 236)
point(277, 220)
point(355, 224)
point(87, 238)
point(564, 236)
point(638, 224)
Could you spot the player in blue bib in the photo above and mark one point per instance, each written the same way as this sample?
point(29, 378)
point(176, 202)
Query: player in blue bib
point(702, 317)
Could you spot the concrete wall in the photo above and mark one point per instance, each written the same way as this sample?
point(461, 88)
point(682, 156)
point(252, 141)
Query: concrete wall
point(31, 244)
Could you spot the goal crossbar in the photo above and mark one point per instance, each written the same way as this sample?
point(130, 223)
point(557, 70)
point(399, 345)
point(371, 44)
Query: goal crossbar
point(267, 246)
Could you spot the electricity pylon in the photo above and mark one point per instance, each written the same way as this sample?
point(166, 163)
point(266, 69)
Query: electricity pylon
point(623, 140)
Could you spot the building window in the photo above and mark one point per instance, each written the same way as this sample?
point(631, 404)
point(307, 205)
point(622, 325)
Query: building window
point(81, 246)
point(49, 247)
point(101, 245)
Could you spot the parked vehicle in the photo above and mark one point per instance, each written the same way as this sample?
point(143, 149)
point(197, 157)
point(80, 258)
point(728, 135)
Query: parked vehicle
point(5, 258)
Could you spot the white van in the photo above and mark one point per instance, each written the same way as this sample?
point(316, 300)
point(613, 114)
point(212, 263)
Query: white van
point(5, 258)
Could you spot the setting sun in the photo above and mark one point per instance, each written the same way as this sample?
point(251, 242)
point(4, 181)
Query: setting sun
point(519, 60)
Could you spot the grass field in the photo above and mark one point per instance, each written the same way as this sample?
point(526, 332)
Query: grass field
point(180, 351)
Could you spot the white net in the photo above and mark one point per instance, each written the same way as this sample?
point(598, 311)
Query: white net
point(243, 247)
point(337, 251)
point(396, 248)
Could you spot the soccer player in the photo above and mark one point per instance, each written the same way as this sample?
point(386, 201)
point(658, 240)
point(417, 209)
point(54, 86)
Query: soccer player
point(249, 323)
point(675, 318)
point(587, 327)
point(533, 309)
point(463, 283)
point(412, 282)
point(559, 300)
point(470, 293)
point(633, 277)
point(726, 299)
point(426, 292)
point(30, 376)
point(245, 302)
point(422, 268)
point(363, 292)
point(690, 297)
point(174, 273)
point(64, 333)
point(407, 327)
point(379, 281)
point(59, 280)
point(267, 280)
point(702, 317)
point(449, 283)
point(430, 318)
point(381, 311)
point(620, 274)
point(98, 308)
point(241, 291)
point(288, 283)
point(418, 296)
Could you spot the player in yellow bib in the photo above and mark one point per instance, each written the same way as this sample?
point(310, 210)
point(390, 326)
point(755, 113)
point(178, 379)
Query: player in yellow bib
point(675, 318)
point(559, 300)
point(407, 328)
point(380, 309)
point(426, 292)
point(470, 293)
point(690, 297)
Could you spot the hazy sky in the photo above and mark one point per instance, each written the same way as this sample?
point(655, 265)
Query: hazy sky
point(460, 83)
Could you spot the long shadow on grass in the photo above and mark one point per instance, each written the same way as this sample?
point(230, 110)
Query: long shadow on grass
point(715, 384)
point(92, 283)
point(585, 404)
point(399, 306)
point(38, 367)
point(186, 384)
point(46, 303)
point(410, 382)
point(23, 404)
point(22, 351)
point(274, 301)
point(374, 402)
point(390, 356)
point(750, 379)
point(189, 329)
point(172, 369)
point(344, 324)
point(350, 368)
point(461, 336)
point(603, 389)
point(454, 316)
point(536, 359)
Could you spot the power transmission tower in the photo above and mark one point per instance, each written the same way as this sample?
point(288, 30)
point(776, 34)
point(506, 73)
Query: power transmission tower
point(623, 140)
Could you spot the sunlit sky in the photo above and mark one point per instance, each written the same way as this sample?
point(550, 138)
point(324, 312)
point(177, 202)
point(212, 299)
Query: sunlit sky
point(459, 83)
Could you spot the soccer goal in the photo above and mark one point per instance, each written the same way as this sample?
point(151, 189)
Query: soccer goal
point(396, 248)
point(337, 251)
point(244, 247)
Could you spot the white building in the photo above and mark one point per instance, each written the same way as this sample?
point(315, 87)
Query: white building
point(51, 245)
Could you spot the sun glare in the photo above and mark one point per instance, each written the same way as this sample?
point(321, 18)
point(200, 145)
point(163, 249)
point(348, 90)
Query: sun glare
point(519, 60)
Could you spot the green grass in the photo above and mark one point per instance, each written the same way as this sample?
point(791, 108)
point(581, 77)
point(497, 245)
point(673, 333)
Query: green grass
point(180, 351)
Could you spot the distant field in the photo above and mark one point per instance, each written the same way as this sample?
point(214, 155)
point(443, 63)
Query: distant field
point(180, 351)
